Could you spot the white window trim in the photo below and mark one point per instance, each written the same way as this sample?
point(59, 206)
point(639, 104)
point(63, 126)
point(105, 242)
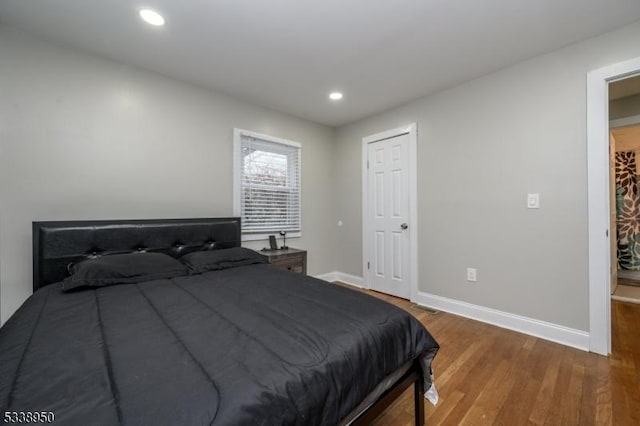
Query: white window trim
point(237, 177)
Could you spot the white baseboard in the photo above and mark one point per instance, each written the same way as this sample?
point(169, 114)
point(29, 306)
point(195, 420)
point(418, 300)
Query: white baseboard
point(544, 330)
point(341, 276)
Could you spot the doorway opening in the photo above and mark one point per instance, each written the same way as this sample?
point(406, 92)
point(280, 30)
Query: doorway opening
point(624, 188)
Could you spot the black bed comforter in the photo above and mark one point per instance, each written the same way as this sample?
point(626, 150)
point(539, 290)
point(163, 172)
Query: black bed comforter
point(245, 346)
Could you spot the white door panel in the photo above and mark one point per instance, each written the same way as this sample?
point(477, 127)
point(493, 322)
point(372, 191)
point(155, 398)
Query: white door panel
point(388, 182)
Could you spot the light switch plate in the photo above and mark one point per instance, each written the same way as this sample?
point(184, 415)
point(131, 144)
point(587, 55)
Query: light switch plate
point(472, 274)
point(533, 201)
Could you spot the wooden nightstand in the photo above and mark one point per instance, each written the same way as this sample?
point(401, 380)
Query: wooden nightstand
point(290, 259)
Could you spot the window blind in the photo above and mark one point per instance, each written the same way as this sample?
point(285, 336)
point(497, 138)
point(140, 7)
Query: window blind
point(270, 186)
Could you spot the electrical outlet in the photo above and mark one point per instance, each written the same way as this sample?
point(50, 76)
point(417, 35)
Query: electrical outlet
point(471, 274)
point(533, 201)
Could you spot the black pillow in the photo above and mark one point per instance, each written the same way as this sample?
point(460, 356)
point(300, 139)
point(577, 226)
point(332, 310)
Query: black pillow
point(123, 269)
point(212, 260)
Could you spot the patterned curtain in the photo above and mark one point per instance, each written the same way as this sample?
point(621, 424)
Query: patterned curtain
point(627, 211)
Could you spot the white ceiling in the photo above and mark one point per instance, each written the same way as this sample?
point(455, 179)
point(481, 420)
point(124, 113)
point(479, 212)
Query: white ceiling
point(289, 54)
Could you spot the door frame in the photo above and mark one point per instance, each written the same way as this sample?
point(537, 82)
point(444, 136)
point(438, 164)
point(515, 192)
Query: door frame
point(412, 131)
point(598, 199)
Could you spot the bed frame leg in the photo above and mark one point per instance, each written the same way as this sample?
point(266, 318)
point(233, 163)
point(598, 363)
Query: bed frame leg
point(418, 401)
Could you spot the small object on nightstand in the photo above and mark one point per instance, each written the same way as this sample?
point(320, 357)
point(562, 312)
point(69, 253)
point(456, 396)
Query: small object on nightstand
point(289, 259)
point(284, 240)
point(272, 242)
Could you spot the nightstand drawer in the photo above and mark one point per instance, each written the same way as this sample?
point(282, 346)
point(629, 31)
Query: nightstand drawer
point(293, 263)
point(290, 260)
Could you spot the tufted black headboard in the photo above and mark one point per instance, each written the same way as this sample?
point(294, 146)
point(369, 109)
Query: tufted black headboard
point(57, 244)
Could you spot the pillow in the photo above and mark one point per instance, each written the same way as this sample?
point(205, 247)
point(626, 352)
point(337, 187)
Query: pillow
point(212, 260)
point(126, 268)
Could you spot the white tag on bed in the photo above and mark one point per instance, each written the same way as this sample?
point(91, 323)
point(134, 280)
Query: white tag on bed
point(432, 393)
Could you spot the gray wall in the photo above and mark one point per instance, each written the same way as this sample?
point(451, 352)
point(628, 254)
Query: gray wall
point(482, 147)
point(85, 138)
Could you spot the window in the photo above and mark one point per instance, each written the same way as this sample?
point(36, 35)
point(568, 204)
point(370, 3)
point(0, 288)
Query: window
point(266, 184)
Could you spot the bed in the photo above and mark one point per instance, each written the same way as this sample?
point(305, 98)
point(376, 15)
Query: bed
point(243, 344)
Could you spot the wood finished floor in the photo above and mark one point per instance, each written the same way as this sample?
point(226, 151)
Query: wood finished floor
point(487, 375)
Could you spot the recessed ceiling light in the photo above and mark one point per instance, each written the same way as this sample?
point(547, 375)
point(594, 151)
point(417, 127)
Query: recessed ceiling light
point(151, 17)
point(335, 96)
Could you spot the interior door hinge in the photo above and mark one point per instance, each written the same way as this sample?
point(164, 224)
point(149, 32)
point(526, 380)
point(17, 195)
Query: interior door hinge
point(368, 265)
point(367, 164)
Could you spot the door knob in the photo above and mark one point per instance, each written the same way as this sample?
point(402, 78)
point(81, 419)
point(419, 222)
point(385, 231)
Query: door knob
point(404, 226)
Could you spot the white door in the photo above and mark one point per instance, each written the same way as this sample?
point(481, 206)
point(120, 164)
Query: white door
point(388, 216)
